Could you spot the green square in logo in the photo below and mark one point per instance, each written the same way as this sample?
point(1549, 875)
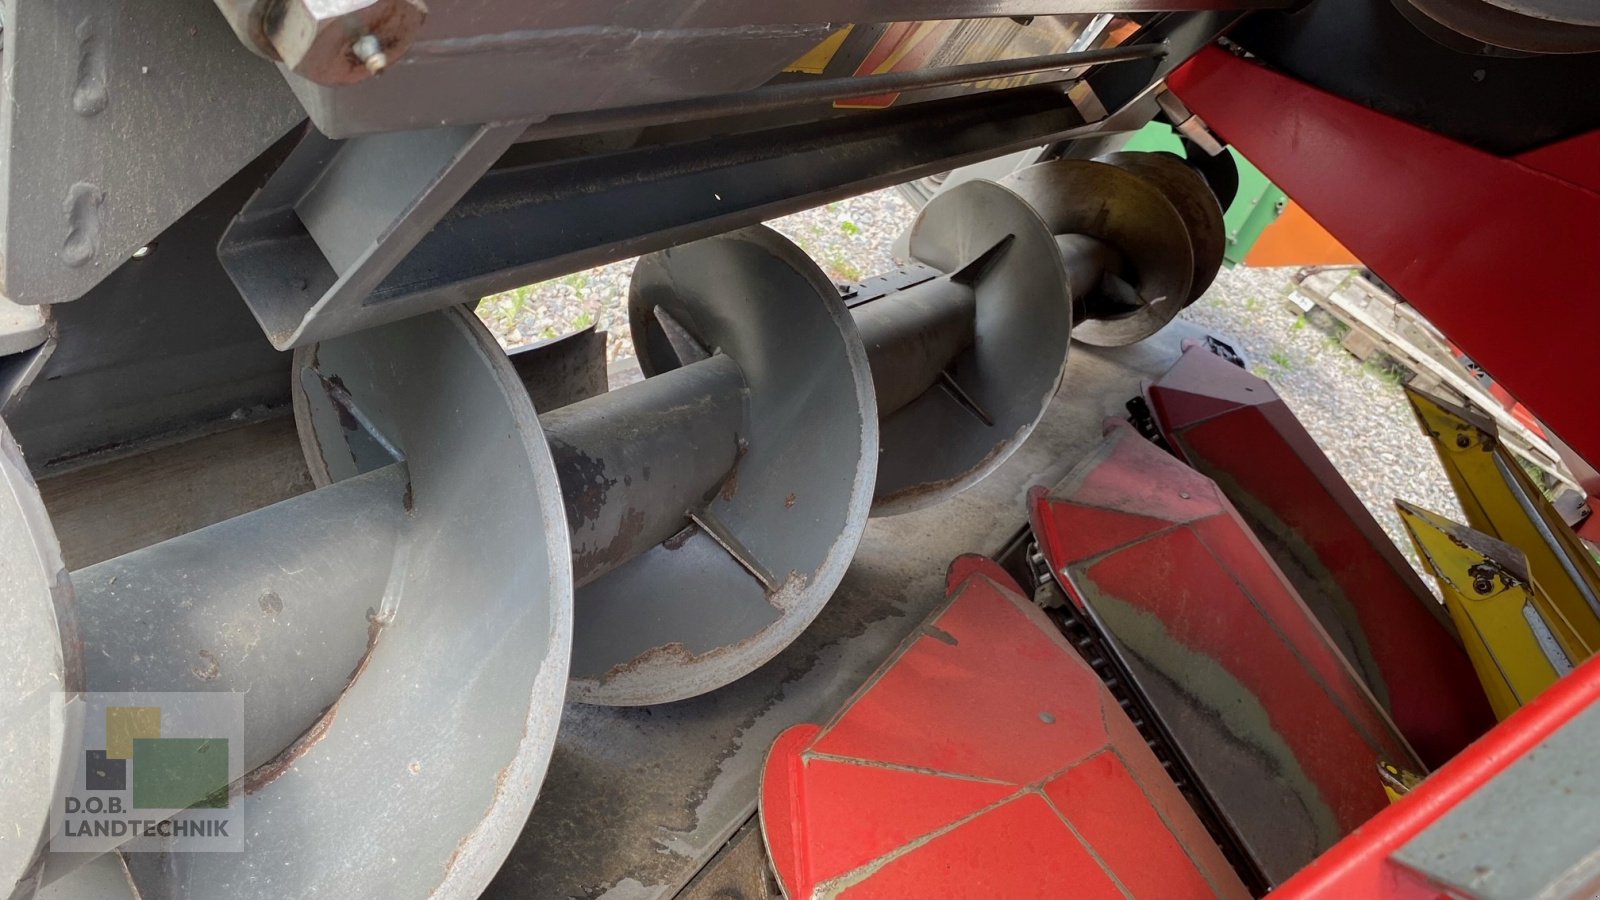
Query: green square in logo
point(180, 773)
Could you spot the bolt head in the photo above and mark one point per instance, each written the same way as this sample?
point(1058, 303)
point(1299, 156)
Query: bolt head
point(337, 42)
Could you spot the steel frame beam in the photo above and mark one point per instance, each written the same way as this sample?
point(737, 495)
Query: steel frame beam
point(438, 234)
point(474, 63)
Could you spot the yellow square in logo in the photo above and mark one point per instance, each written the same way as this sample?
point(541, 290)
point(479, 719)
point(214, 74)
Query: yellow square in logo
point(126, 723)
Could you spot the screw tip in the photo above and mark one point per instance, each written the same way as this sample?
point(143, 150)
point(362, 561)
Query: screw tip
point(370, 52)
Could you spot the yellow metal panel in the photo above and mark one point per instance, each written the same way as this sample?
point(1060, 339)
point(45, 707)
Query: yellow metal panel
point(816, 60)
point(1514, 649)
point(1500, 500)
point(1397, 782)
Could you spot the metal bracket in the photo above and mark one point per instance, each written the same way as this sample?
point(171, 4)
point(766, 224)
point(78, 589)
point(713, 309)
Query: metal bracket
point(309, 250)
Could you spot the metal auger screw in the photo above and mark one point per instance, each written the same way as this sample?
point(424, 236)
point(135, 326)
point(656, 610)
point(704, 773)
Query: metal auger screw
point(370, 52)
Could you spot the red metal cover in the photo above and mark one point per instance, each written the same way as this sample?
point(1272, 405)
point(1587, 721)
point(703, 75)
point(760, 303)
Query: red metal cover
point(1492, 250)
point(1279, 731)
point(1233, 428)
point(984, 760)
point(1363, 864)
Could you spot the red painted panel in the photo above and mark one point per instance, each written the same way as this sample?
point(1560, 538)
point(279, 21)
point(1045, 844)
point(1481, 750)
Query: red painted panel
point(1495, 252)
point(1349, 573)
point(1275, 724)
point(1570, 160)
point(1020, 850)
point(906, 806)
point(867, 825)
point(1359, 866)
point(1104, 802)
point(942, 689)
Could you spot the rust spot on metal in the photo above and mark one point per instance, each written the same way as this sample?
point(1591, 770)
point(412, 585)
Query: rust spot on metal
point(730, 488)
point(269, 771)
point(673, 654)
point(210, 668)
point(945, 485)
point(584, 484)
point(271, 604)
point(677, 541)
point(788, 502)
point(340, 395)
point(499, 788)
point(587, 560)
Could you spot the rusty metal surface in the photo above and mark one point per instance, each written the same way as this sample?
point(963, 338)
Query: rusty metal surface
point(638, 800)
point(633, 463)
point(771, 542)
point(741, 871)
point(1186, 189)
point(563, 370)
point(116, 507)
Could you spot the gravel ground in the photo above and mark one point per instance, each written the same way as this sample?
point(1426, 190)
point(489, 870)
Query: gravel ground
point(1358, 415)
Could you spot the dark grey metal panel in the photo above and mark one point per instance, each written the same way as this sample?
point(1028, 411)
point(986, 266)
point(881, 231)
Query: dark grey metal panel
point(162, 344)
point(117, 116)
point(563, 370)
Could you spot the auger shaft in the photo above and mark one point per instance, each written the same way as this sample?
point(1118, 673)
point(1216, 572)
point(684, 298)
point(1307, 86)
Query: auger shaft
point(633, 462)
point(911, 335)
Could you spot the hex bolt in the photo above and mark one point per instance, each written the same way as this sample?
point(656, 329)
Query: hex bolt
point(1463, 441)
point(1482, 584)
point(370, 52)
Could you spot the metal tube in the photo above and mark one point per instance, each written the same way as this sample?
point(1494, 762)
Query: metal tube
point(826, 90)
point(911, 335)
point(634, 462)
point(280, 603)
point(1087, 262)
